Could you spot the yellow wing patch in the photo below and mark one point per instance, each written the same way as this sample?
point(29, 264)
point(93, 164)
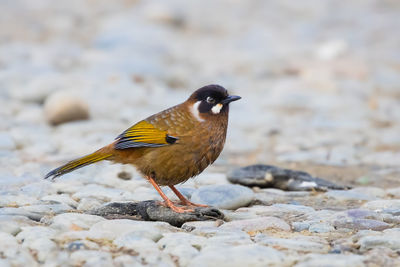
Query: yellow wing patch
point(144, 134)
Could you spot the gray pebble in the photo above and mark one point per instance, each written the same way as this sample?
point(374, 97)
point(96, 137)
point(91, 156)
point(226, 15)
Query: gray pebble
point(331, 260)
point(115, 228)
point(91, 258)
point(258, 224)
point(223, 196)
point(301, 226)
point(383, 204)
point(63, 106)
point(301, 244)
point(321, 228)
point(74, 221)
point(12, 224)
point(238, 256)
point(346, 195)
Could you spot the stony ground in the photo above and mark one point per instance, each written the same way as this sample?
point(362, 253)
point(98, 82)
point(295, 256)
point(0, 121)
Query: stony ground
point(320, 82)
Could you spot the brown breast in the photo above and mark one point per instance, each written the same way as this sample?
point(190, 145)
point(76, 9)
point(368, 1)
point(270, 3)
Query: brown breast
point(199, 145)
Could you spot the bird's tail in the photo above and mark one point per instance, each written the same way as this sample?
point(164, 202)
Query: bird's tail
point(99, 155)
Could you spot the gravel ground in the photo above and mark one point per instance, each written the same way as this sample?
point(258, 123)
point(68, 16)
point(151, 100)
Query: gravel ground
point(320, 87)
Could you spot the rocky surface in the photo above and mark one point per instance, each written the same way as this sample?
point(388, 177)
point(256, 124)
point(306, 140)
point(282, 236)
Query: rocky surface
point(320, 94)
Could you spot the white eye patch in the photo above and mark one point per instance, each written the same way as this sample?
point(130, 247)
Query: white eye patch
point(217, 108)
point(195, 111)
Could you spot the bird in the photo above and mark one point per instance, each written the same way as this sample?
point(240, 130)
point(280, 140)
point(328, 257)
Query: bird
point(171, 146)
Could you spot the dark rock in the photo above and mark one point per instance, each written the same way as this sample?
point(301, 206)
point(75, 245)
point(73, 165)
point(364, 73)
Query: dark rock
point(271, 176)
point(153, 211)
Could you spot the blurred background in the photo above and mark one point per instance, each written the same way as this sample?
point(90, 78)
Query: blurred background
point(319, 80)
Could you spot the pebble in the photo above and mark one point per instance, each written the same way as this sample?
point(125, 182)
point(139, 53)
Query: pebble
point(112, 229)
point(223, 196)
point(16, 200)
point(331, 260)
point(86, 204)
point(62, 199)
point(12, 224)
point(347, 195)
point(91, 258)
point(238, 256)
point(300, 244)
point(146, 248)
point(74, 221)
point(383, 204)
point(258, 224)
point(64, 106)
point(359, 219)
point(390, 238)
point(321, 228)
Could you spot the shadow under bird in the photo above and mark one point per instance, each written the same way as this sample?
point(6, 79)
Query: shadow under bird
point(171, 146)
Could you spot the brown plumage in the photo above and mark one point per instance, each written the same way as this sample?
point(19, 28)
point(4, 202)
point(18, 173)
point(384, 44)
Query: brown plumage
point(171, 146)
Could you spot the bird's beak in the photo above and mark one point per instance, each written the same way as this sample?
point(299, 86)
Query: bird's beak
point(230, 99)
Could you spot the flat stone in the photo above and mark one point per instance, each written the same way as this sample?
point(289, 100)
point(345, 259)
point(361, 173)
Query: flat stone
point(62, 199)
point(134, 241)
point(359, 219)
point(91, 258)
point(16, 200)
point(21, 212)
point(334, 260)
point(74, 221)
point(383, 204)
point(275, 210)
point(30, 234)
point(369, 242)
point(223, 196)
point(301, 226)
point(87, 204)
point(301, 244)
point(364, 224)
point(112, 229)
point(12, 224)
point(146, 249)
point(170, 240)
point(258, 224)
point(246, 255)
point(346, 195)
point(321, 228)
point(227, 238)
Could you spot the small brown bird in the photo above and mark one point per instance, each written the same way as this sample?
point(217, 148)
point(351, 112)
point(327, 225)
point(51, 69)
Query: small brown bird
point(171, 146)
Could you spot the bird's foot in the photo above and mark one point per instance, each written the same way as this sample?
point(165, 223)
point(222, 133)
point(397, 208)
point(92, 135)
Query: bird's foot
point(191, 204)
point(171, 205)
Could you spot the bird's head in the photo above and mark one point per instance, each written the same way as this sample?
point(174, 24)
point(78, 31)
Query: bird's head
point(210, 100)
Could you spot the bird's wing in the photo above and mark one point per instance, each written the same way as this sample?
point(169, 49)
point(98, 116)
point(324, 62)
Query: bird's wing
point(144, 134)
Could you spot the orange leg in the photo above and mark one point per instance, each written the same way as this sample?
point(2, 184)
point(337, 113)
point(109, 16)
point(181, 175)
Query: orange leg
point(183, 199)
point(167, 201)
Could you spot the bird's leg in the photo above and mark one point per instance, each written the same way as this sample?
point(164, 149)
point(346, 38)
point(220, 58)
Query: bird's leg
point(167, 201)
point(184, 200)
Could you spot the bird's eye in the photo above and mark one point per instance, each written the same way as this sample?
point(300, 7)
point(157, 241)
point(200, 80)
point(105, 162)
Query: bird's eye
point(210, 100)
